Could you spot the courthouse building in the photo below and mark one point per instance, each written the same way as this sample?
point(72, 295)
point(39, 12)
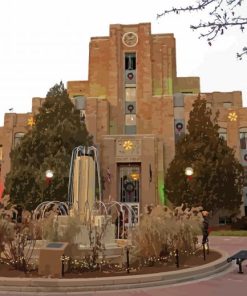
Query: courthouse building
point(136, 107)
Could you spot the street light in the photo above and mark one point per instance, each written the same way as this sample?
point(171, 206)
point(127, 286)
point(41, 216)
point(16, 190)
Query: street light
point(48, 178)
point(189, 171)
point(49, 174)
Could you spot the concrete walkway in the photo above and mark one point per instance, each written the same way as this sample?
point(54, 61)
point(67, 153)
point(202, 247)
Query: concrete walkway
point(227, 283)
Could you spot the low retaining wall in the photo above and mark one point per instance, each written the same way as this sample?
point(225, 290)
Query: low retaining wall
point(116, 282)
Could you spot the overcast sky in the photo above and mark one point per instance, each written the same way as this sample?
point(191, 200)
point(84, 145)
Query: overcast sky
point(46, 41)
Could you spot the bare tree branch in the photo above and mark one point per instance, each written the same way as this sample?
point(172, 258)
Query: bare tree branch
point(244, 52)
point(221, 15)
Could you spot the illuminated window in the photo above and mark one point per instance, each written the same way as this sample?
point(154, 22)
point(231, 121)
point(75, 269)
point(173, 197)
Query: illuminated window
point(130, 119)
point(130, 124)
point(130, 94)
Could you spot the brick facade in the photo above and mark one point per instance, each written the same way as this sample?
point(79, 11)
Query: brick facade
point(160, 100)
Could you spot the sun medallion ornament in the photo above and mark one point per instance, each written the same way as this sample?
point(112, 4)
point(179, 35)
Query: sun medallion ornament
point(127, 145)
point(31, 121)
point(232, 116)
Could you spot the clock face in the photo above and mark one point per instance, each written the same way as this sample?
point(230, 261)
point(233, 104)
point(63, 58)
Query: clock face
point(130, 39)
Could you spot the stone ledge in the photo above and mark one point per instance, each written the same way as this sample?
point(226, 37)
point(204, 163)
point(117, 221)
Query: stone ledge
point(116, 282)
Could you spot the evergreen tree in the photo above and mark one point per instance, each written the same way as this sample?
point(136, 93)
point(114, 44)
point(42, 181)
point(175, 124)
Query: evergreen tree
point(48, 146)
point(218, 176)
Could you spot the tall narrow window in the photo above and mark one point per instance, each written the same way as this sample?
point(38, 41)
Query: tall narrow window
point(130, 124)
point(243, 138)
point(17, 138)
point(245, 176)
point(80, 104)
point(130, 61)
point(130, 94)
point(179, 129)
point(1, 152)
point(130, 68)
point(223, 133)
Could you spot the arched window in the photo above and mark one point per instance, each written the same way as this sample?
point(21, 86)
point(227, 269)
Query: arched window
point(223, 133)
point(243, 137)
point(17, 138)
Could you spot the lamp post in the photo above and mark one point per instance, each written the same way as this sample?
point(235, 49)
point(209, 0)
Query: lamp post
point(189, 173)
point(49, 174)
point(48, 178)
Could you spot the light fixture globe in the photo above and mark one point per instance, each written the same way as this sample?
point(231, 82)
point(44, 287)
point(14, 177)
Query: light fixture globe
point(189, 171)
point(49, 174)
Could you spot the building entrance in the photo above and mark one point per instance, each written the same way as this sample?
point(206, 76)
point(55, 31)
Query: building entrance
point(129, 182)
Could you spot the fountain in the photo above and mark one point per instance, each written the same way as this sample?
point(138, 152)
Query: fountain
point(102, 227)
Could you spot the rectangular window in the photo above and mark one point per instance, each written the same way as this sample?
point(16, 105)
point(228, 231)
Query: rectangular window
point(130, 61)
point(1, 152)
point(245, 176)
point(227, 105)
point(130, 129)
point(179, 129)
point(17, 138)
point(130, 124)
point(130, 68)
point(130, 119)
point(223, 133)
point(225, 220)
point(82, 115)
point(80, 102)
point(243, 140)
point(130, 94)
point(178, 100)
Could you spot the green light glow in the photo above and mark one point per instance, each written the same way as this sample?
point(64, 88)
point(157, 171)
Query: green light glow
point(162, 192)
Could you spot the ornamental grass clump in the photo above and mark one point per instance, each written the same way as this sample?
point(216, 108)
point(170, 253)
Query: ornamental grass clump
point(162, 231)
point(17, 239)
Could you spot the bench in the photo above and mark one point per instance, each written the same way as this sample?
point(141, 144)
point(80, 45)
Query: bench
point(239, 257)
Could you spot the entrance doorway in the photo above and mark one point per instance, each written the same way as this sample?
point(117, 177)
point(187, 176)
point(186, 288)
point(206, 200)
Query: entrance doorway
point(129, 182)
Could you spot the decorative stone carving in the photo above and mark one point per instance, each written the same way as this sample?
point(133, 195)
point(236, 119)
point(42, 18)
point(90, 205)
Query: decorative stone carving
point(128, 147)
point(130, 39)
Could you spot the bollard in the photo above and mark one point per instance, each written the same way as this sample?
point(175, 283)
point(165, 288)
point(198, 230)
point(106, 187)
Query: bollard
point(127, 260)
point(204, 251)
point(63, 258)
point(207, 247)
point(177, 258)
